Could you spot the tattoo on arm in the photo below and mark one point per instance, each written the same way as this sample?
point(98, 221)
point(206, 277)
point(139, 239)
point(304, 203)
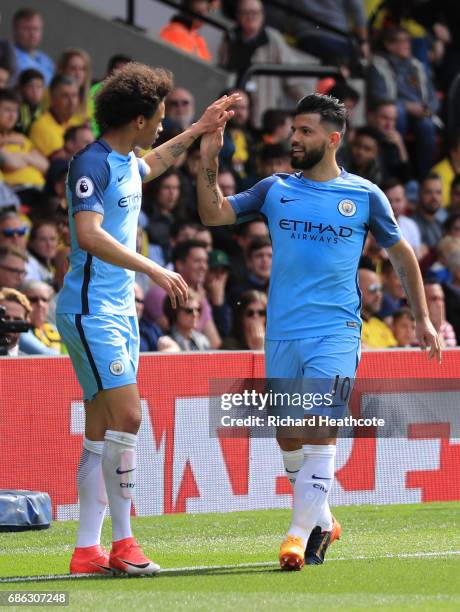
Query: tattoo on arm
point(159, 157)
point(403, 278)
point(211, 177)
point(176, 149)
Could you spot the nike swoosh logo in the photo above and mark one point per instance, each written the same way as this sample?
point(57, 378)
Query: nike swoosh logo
point(320, 477)
point(120, 178)
point(124, 471)
point(139, 565)
point(286, 200)
point(292, 471)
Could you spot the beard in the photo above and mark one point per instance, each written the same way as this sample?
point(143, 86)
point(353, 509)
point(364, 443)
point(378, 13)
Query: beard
point(309, 159)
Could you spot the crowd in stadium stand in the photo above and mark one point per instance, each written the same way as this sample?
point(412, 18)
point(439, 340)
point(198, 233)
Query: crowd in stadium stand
point(409, 54)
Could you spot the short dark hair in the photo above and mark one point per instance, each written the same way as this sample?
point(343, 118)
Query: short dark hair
point(61, 79)
point(72, 131)
point(401, 313)
point(136, 89)
point(376, 103)
point(24, 13)
point(366, 263)
point(449, 222)
point(370, 132)
point(9, 95)
point(328, 108)
point(431, 176)
point(274, 118)
point(390, 183)
point(257, 243)
point(342, 91)
point(182, 249)
point(118, 58)
point(29, 75)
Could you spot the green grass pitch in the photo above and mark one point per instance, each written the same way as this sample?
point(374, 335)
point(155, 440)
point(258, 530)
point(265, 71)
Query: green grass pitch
point(389, 558)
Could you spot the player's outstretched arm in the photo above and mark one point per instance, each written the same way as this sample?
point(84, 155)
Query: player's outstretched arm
point(164, 156)
point(92, 238)
point(405, 263)
point(213, 208)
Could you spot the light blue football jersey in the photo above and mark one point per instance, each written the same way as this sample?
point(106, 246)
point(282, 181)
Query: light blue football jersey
point(318, 230)
point(103, 181)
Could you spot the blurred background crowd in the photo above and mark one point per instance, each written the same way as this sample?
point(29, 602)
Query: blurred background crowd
point(407, 142)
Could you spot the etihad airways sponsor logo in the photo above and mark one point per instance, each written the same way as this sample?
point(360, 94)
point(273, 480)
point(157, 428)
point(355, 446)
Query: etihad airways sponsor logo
point(311, 230)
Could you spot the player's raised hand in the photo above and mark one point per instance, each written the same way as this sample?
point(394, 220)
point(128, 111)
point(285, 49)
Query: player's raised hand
point(211, 144)
point(428, 339)
point(217, 114)
point(172, 283)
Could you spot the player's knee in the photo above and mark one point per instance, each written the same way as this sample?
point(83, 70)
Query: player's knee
point(289, 444)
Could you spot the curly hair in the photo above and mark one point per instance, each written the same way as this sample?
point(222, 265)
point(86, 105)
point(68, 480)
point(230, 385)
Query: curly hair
point(134, 90)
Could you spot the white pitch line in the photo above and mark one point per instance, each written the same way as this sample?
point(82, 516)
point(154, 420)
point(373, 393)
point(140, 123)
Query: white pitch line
point(200, 568)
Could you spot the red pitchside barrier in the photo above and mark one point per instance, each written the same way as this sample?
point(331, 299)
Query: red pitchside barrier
point(181, 468)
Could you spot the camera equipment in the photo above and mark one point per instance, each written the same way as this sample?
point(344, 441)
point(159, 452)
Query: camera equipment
point(10, 327)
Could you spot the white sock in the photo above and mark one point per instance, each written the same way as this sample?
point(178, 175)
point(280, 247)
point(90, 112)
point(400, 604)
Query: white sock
point(311, 488)
point(324, 519)
point(118, 466)
point(292, 463)
point(91, 494)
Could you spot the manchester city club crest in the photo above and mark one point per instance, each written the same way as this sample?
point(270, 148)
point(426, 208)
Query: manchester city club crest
point(117, 367)
point(347, 208)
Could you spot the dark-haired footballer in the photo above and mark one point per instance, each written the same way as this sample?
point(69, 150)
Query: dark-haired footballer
point(318, 220)
point(96, 314)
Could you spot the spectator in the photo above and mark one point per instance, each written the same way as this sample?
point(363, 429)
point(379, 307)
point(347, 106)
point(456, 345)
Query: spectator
point(328, 46)
point(396, 194)
point(226, 182)
point(26, 165)
point(430, 201)
point(362, 155)
point(151, 334)
point(13, 231)
point(39, 295)
point(161, 204)
point(12, 267)
point(449, 166)
point(274, 158)
point(188, 175)
point(7, 57)
point(252, 42)
point(452, 292)
point(27, 36)
point(249, 320)
point(216, 286)
point(17, 309)
point(374, 333)
point(239, 144)
point(182, 30)
point(203, 234)
point(452, 225)
point(383, 115)
point(276, 126)
point(42, 246)
point(396, 74)
point(184, 323)
point(31, 89)
point(437, 310)
point(190, 259)
point(403, 328)
point(259, 265)
point(115, 63)
point(444, 248)
point(179, 108)
point(454, 200)
point(47, 132)
point(4, 77)
point(76, 64)
point(76, 138)
point(394, 296)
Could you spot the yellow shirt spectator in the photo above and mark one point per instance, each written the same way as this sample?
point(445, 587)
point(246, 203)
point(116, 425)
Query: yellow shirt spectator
point(376, 334)
point(47, 134)
point(29, 175)
point(446, 172)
